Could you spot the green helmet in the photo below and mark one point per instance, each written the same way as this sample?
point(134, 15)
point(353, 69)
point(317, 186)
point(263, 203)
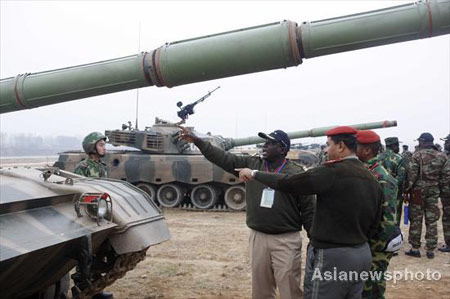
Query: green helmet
point(90, 140)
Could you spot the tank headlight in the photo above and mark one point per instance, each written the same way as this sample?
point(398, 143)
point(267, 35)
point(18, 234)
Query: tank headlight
point(102, 208)
point(96, 205)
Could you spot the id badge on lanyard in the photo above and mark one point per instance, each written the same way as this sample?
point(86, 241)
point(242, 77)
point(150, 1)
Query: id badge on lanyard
point(267, 198)
point(268, 194)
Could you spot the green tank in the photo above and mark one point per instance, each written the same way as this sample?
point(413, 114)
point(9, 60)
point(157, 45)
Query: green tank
point(174, 172)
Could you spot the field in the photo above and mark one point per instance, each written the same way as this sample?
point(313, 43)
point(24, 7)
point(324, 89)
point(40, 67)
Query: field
point(207, 257)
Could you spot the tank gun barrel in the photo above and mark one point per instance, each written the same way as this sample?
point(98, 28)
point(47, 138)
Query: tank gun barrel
point(255, 49)
point(316, 132)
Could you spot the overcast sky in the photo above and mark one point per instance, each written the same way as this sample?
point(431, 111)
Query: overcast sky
point(407, 82)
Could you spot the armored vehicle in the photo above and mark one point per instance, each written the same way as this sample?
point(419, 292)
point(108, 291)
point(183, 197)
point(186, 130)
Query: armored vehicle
point(52, 221)
point(37, 252)
point(174, 172)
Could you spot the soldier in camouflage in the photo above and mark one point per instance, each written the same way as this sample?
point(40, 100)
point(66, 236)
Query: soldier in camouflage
point(445, 197)
point(425, 183)
point(447, 145)
point(94, 145)
point(322, 154)
point(367, 150)
point(394, 164)
point(406, 154)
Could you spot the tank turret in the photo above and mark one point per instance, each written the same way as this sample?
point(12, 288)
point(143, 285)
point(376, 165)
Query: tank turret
point(162, 137)
point(243, 51)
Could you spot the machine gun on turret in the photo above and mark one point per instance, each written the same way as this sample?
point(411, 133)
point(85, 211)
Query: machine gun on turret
point(189, 108)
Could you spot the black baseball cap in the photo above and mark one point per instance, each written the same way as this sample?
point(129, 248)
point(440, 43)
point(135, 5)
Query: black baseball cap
point(426, 137)
point(278, 136)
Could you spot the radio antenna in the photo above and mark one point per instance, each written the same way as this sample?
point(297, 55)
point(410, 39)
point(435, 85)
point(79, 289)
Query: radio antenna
point(137, 89)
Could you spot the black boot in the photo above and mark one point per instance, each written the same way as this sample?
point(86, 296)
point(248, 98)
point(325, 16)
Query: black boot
point(103, 295)
point(445, 248)
point(413, 252)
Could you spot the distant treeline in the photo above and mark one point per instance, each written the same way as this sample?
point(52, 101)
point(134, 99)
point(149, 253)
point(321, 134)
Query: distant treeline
point(32, 145)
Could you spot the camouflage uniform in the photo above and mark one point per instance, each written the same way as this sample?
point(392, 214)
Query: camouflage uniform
point(406, 157)
point(380, 259)
point(426, 171)
point(91, 168)
point(323, 157)
point(394, 164)
point(445, 199)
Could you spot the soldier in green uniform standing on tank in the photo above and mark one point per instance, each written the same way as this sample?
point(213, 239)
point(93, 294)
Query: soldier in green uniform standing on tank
point(394, 164)
point(94, 144)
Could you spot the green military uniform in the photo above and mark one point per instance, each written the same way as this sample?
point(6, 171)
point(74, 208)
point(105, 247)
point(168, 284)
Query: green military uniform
point(406, 157)
point(394, 164)
point(426, 171)
point(322, 157)
point(91, 168)
point(445, 199)
point(380, 259)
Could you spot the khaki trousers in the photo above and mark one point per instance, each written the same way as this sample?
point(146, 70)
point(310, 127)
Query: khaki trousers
point(275, 261)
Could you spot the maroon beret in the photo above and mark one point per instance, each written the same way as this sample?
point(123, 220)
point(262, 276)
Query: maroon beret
point(341, 130)
point(367, 137)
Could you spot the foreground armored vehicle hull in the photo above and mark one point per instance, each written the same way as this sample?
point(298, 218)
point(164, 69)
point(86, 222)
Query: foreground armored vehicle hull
point(174, 173)
point(43, 237)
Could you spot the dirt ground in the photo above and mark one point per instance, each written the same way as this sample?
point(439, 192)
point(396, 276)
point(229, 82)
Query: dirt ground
point(207, 257)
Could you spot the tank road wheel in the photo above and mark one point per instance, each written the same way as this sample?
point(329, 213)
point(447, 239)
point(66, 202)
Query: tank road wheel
point(149, 189)
point(235, 198)
point(170, 195)
point(204, 196)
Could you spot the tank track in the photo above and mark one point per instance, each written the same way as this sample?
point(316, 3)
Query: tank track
point(215, 208)
point(123, 263)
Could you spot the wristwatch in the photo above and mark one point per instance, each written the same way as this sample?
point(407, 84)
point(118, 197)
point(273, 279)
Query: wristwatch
point(254, 171)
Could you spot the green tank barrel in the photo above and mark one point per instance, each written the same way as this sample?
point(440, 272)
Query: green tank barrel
point(316, 132)
point(243, 51)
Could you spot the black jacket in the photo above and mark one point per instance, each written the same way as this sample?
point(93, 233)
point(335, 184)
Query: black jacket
point(348, 207)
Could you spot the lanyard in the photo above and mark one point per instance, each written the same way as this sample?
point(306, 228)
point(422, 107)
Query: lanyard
point(372, 170)
point(373, 166)
point(266, 166)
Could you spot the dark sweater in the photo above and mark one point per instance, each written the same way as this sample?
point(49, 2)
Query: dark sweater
point(288, 212)
point(348, 207)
